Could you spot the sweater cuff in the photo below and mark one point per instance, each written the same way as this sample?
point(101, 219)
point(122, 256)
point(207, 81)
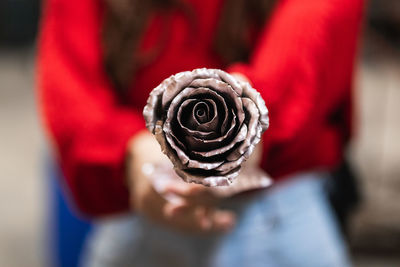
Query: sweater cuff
point(96, 172)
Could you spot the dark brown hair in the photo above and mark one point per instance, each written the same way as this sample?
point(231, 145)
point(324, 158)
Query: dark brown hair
point(125, 20)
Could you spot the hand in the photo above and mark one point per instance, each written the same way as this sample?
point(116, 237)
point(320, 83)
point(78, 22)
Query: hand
point(196, 210)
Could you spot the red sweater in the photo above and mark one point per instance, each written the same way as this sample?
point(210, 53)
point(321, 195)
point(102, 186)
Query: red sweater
point(302, 64)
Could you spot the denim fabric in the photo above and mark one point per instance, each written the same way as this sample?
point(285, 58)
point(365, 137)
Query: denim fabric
point(65, 232)
point(288, 225)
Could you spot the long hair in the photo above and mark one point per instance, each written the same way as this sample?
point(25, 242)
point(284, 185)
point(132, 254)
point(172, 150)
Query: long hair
point(126, 19)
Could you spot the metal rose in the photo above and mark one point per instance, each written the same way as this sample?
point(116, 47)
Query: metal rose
point(207, 123)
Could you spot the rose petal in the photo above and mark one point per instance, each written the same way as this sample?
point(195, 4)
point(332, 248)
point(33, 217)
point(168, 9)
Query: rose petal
point(186, 161)
point(212, 124)
point(180, 152)
point(252, 111)
point(165, 147)
point(195, 164)
point(230, 165)
point(184, 158)
point(243, 152)
point(255, 96)
point(152, 112)
point(238, 138)
point(200, 134)
point(215, 180)
point(226, 90)
point(197, 144)
point(178, 142)
point(186, 93)
point(232, 81)
point(189, 93)
point(181, 80)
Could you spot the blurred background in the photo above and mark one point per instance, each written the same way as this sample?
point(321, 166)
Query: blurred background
point(25, 202)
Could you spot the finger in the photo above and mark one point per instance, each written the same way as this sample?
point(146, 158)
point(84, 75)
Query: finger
point(196, 217)
point(185, 189)
point(194, 194)
point(151, 204)
point(171, 209)
point(222, 220)
point(202, 219)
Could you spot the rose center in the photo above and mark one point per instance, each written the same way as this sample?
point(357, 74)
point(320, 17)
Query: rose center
point(201, 112)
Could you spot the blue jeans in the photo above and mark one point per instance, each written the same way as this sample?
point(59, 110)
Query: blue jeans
point(288, 225)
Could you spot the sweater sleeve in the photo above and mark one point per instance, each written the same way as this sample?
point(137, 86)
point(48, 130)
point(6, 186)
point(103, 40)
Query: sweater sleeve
point(303, 62)
point(89, 129)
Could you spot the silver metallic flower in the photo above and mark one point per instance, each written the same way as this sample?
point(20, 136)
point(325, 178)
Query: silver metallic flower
point(207, 123)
